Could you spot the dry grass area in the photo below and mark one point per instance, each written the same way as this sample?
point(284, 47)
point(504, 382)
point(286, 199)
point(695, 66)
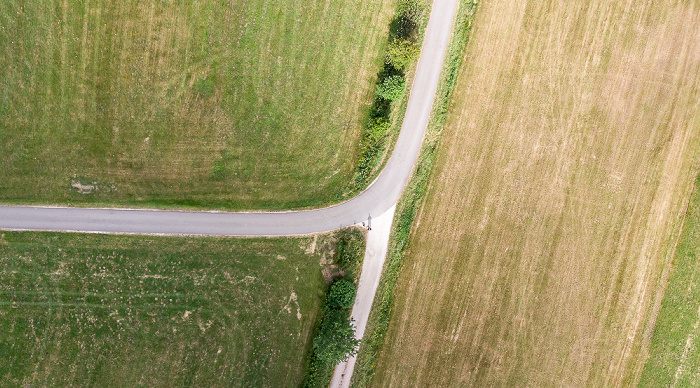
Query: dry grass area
point(541, 255)
point(243, 104)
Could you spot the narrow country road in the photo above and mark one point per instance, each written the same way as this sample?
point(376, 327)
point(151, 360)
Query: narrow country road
point(377, 202)
point(437, 36)
point(381, 195)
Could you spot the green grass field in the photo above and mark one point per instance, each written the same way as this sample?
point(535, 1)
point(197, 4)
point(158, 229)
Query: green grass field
point(96, 310)
point(674, 354)
point(218, 104)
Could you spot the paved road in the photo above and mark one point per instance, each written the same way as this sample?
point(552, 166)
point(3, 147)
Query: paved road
point(432, 57)
point(377, 201)
point(375, 254)
point(381, 195)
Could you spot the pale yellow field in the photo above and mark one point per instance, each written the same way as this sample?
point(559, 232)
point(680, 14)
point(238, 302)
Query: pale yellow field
point(541, 254)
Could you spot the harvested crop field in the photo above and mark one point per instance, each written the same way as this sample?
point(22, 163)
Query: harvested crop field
point(96, 310)
point(238, 105)
point(541, 255)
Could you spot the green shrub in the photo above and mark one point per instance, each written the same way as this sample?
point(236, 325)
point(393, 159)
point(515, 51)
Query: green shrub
point(408, 16)
point(376, 132)
point(392, 88)
point(402, 53)
point(409, 9)
point(372, 144)
point(335, 341)
point(349, 251)
point(341, 294)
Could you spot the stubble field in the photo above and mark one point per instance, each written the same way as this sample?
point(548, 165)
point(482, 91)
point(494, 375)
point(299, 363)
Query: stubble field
point(237, 105)
point(541, 255)
point(114, 311)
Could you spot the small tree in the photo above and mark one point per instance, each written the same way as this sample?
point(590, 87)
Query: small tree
point(341, 294)
point(335, 341)
point(392, 88)
point(401, 53)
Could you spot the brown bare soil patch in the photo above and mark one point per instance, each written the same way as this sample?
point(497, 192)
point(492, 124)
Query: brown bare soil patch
point(541, 254)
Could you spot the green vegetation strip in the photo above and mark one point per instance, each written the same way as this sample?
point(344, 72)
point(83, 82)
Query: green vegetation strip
point(96, 310)
point(385, 117)
point(335, 337)
point(412, 200)
point(674, 354)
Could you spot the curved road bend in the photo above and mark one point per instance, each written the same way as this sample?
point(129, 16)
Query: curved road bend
point(432, 56)
point(377, 201)
point(381, 195)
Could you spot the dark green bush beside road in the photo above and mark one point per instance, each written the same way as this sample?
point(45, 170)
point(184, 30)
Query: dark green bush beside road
point(335, 338)
point(402, 51)
point(336, 341)
point(412, 199)
point(391, 88)
point(341, 294)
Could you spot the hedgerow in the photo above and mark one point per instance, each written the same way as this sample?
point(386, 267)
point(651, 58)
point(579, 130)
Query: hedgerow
point(334, 340)
point(402, 52)
point(411, 201)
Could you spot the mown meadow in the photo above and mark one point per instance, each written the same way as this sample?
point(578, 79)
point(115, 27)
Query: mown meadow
point(218, 104)
point(555, 204)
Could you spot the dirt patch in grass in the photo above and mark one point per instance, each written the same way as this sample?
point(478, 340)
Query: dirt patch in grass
point(236, 105)
point(554, 211)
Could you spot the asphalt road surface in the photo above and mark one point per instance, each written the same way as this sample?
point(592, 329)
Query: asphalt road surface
point(380, 196)
point(432, 57)
point(378, 200)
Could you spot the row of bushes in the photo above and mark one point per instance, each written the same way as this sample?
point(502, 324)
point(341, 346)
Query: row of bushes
point(411, 201)
point(402, 51)
point(335, 339)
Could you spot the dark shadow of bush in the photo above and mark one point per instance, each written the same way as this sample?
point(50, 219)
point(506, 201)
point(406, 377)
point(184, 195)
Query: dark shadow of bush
point(402, 27)
point(380, 109)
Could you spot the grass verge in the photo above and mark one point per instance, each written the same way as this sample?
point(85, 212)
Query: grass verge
point(674, 354)
point(98, 310)
point(412, 200)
